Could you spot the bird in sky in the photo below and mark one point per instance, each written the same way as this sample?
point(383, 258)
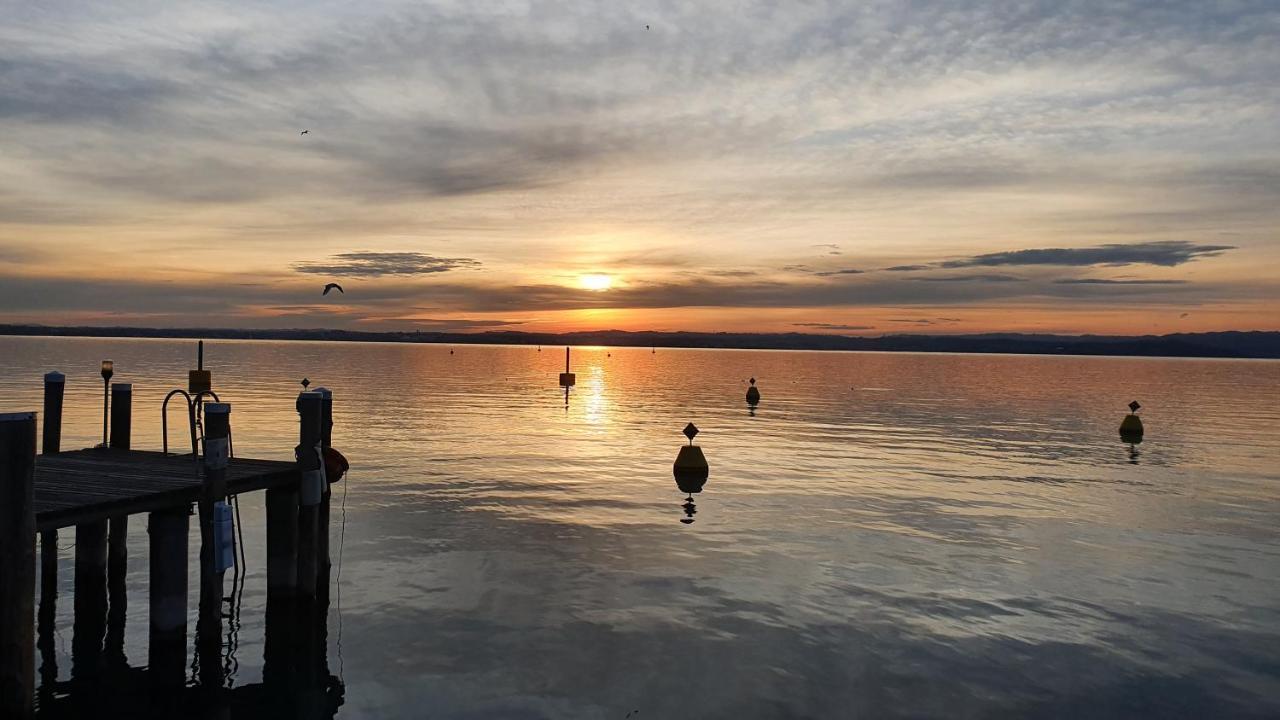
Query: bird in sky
point(304, 132)
point(331, 286)
point(646, 27)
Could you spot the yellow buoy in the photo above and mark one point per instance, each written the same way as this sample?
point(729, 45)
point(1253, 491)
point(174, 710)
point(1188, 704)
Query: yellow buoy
point(690, 468)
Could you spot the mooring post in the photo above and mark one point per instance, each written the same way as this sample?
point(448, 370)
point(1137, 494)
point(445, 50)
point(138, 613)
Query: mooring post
point(89, 622)
point(282, 542)
point(17, 564)
point(310, 489)
point(323, 561)
point(167, 646)
point(55, 384)
point(217, 430)
point(118, 543)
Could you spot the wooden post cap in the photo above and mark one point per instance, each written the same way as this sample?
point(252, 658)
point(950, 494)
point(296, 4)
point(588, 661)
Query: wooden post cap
point(54, 377)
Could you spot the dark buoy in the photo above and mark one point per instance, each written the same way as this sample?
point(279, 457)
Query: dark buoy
point(753, 393)
point(690, 468)
point(1131, 426)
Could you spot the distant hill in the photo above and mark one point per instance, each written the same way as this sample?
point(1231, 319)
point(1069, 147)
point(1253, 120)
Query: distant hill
point(1232, 344)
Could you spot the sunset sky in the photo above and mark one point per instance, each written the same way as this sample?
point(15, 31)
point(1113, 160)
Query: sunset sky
point(858, 168)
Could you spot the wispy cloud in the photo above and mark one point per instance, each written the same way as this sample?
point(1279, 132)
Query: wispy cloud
point(832, 326)
point(987, 278)
point(1108, 281)
point(377, 264)
point(1168, 253)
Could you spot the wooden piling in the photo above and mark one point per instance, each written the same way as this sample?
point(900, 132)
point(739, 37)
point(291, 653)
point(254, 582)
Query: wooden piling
point(17, 564)
point(282, 541)
point(310, 490)
point(209, 629)
point(323, 561)
point(121, 415)
point(118, 544)
point(89, 622)
point(167, 644)
point(55, 384)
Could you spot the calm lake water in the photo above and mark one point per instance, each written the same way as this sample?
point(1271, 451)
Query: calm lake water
point(888, 535)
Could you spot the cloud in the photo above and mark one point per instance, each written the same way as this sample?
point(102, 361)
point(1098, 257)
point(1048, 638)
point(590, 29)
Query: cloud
point(846, 271)
point(1167, 253)
point(377, 264)
point(970, 278)
point(1108, 281)
point(832, 326)
point(906, 268)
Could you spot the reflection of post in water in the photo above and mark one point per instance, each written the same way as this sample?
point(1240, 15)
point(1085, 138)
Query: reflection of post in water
point(47, 615)
point(114, 659)
point(167, 642)
point(90, 605)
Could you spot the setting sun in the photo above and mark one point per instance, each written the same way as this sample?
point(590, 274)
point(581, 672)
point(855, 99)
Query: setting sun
point(596, 281)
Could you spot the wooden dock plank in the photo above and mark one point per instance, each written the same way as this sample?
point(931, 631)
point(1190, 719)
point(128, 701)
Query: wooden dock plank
point(86, 485)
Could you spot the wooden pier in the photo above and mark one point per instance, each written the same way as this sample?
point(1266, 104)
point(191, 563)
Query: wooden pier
point(95, 484)
point(96, 491)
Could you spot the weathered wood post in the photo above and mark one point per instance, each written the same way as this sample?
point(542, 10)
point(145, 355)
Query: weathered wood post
point(323, 561)
point(217, 430)
point(282, 542)
point(121, 415)
point(55, 384)
point(89, 622)
point(118, 535)
point(17, 564)
point(310, 490)
point(167, 644)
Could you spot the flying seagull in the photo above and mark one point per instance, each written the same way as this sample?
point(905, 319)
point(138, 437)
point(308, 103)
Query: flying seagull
point(331, 286)
point(304, 132)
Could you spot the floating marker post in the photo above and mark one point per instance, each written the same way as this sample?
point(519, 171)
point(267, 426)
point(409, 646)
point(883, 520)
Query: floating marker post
point(17, 564)
point(1131, 426)
point(567, 379)
point(753, 394)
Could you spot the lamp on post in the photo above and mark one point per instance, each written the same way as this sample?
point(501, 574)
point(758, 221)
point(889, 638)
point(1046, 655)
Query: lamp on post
point(107, 368)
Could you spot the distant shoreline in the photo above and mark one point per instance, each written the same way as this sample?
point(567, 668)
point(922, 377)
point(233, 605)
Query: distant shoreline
point(1228, 344)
